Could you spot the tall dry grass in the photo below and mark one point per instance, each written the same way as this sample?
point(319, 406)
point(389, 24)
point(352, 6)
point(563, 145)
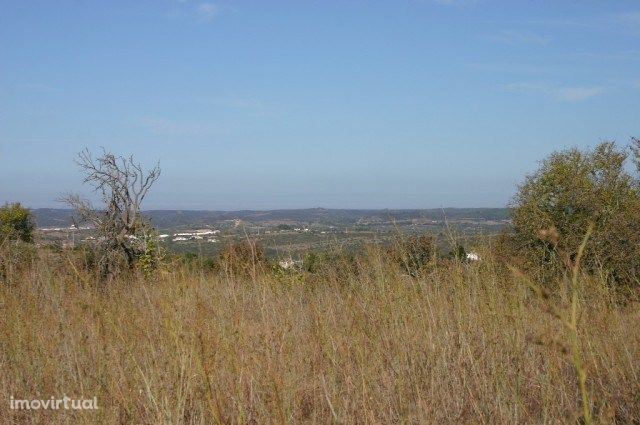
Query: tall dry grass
point(460, 343)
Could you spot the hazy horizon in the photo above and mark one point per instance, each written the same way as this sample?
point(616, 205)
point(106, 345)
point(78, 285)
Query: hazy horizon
point(291, 209)
point(247, 206)
point(282, 105)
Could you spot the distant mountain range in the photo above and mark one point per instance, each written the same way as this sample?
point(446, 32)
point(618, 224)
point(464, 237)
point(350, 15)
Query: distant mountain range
point(163, 219)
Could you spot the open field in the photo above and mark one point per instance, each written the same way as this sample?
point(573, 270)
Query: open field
point(319, 212)
point(358, 342)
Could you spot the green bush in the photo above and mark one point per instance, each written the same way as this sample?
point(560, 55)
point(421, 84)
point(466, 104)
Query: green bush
point(152, 254)
point(315, 261)
point(555, 205)
point(16, 223)
point(458, 253)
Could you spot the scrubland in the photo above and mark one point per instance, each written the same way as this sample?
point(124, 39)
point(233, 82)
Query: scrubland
point(357, 341)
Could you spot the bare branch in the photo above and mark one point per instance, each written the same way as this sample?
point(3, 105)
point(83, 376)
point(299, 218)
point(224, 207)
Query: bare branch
point(122, 184)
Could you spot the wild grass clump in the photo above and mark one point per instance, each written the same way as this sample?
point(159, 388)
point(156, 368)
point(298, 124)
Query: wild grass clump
point(357, 341)
point(414, 253)
point(244, 258)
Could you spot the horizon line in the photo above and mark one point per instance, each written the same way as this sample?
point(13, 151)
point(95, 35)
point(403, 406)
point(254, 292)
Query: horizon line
point(295, 209)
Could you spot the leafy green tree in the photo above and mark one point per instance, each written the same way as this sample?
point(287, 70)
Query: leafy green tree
point(16, 223)
point(572, 188)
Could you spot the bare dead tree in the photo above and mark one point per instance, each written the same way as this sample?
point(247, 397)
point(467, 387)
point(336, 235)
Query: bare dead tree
point(635, 150)
point(122, 185)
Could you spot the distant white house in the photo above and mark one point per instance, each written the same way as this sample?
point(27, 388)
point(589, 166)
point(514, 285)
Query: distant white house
point(205, 232)
point(198, 234)
point(289, 263)
point(472, 256)
point(61, 229)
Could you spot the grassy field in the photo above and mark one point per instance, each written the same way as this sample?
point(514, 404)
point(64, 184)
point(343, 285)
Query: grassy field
point(354, 343)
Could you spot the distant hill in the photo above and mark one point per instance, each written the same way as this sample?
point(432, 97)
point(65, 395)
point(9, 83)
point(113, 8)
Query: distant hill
point(163, 219)
point(53, 217)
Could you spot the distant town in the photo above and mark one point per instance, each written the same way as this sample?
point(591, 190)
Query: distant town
point(285, 233)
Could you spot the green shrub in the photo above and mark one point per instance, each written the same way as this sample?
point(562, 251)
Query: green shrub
point(152, 254)
point(554, 206)
point(314, 262)
point(458, 253)
point(16, 223)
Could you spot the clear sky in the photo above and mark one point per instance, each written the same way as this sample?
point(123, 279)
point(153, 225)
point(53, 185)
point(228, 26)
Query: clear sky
point(337, 104)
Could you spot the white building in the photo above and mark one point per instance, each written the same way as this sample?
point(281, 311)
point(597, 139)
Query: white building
point(472, 256)
point(289, 263)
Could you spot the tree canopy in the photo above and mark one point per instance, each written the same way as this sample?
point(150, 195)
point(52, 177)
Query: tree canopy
point(16, 223)
point(571, 189)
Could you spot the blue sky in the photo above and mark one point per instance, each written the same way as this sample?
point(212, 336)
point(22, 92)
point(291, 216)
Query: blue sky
point(338, 104)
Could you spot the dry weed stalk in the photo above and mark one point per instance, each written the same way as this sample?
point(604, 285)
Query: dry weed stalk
point(570, 322)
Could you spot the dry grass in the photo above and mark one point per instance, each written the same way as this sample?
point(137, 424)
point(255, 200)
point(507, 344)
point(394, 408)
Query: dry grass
point(465, 343)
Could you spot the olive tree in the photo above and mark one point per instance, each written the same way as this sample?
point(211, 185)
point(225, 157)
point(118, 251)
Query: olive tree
point(122, 185)
point(572, 188)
